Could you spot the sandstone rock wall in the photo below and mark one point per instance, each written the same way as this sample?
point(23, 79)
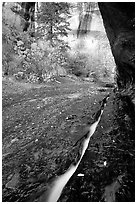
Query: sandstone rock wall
point(119, 22)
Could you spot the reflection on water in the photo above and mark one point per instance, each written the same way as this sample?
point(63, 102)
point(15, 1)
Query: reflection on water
point(61, 181)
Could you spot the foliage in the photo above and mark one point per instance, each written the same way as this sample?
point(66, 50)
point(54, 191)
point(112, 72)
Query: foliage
point(44, 62)
point(52, 21)
point(83, 65)
point(77, 65)
point(48, 55)
point(8, 37)
point(35, 58)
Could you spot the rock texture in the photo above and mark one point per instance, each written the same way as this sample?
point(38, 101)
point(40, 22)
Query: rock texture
point(119, 22)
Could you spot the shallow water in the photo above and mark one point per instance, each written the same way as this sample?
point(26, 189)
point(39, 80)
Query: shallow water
point(61, 181)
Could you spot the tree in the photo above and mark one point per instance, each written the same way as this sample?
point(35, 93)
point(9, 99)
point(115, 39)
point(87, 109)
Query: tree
point(86, 10)
point(52, 21)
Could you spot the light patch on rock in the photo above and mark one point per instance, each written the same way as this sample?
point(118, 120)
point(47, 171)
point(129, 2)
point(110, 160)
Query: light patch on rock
point(14, 140)
point(13, 182)
point(32, 100)
point(75, 95)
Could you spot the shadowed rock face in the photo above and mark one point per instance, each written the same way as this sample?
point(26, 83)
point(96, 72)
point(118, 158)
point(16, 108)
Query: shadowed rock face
point(119, 22)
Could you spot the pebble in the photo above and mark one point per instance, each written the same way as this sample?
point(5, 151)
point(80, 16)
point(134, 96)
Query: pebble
point(80, 175)
point(13, 182)
point(14, 140)
point(105, 163)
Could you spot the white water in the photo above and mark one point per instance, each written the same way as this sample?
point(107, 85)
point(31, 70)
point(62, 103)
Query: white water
point(62, 180)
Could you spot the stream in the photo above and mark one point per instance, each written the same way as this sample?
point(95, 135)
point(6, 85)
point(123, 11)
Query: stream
point(59, 183)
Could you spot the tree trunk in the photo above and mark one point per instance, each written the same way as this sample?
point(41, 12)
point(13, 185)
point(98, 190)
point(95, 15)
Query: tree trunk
point(51, 33)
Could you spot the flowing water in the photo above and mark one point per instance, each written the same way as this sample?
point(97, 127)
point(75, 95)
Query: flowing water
point(61, 181)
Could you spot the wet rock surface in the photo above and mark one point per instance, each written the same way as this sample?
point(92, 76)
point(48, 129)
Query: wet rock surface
point(40, 128)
